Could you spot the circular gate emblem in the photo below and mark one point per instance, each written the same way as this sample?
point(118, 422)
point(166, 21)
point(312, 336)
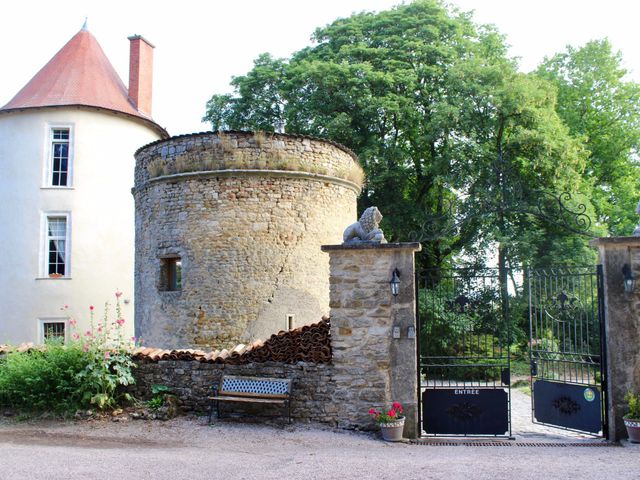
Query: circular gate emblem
point(589, 395)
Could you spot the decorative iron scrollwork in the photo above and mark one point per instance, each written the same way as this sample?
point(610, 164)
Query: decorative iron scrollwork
point(562, 298)
point(566, 405)
point(557, 209)
point(464, 411)
point(460, 304)
point(442, 224)
point(575, 220)
point(563, 307)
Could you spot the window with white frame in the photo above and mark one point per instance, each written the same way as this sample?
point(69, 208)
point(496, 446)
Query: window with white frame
point(57, 246)
point(60, 162)
point(52, 330)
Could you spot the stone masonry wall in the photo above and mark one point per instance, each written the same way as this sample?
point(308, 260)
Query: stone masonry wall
point(313, 387)
point(371, 367)
point(622, 326)
point(248, 235)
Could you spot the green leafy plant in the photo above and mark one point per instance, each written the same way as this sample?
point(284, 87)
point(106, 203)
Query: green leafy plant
point(155, 403)
point(391, 415)
point(86, 372)
point(160, 389)
point(159, 394)
point(633, 404)
point(109, 356)
point(43, 380)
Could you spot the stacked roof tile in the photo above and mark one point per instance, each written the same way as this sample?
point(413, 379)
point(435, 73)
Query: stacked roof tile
point(310, 343)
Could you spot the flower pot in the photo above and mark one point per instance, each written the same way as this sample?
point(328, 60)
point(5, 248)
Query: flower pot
point(392, 431)
point(633, 429)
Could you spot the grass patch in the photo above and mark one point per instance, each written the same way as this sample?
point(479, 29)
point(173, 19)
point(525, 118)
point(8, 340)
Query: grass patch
point(523, 385)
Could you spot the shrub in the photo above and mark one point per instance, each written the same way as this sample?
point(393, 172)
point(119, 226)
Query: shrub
point(44, 380)
point(63, 378)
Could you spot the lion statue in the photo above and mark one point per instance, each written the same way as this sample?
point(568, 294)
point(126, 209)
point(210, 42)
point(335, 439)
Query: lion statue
point(366, 229)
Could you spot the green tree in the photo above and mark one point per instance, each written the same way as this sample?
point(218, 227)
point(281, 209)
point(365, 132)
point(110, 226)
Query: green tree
point(453, 139)
point(258, 102)
point(602, 109)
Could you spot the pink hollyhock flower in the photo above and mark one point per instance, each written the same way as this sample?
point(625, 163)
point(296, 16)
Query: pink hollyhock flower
point(85, 347)
point(107, 355)
point(73, 322)
point(88, 333)
point(133, 339)
point(99, 329)
point(120, 321)
point(75, 336)
point(91, 307)
point(118, 294)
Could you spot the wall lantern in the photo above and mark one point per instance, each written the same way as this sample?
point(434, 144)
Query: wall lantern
point(628, 279)
point(395, 282)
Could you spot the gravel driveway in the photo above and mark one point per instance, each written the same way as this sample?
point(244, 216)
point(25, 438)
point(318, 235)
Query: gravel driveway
point(187, 448)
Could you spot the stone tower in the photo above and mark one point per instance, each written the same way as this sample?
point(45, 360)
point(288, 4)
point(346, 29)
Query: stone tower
point(228, 234)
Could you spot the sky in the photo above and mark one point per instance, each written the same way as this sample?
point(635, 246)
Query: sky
point(201, 45)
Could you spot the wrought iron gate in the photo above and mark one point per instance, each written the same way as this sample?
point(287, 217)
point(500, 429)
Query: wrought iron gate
point(567, 345)
point(464, 354)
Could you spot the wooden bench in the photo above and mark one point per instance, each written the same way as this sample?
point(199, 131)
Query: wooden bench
point(259, 390)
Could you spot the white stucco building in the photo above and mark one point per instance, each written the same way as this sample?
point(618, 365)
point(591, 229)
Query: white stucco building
point(66, 148)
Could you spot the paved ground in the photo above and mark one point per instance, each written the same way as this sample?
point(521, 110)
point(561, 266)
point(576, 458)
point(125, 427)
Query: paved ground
point(188, 448)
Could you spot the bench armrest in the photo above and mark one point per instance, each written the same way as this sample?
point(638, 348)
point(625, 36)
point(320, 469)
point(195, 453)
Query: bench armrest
point(214, 389)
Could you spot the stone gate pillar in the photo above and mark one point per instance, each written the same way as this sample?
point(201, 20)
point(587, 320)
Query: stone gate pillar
point(373, 332)
point(622, 325)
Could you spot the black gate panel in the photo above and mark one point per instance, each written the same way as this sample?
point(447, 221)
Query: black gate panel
point(575, 407)
point(466, 411)
point(567, 348)
point(464, 353)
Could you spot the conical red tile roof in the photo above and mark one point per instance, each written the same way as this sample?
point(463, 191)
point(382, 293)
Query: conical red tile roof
point(79, 74)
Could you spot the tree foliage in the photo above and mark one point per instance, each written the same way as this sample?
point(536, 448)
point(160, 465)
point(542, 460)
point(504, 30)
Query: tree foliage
point(457, 145)
point(603, 110)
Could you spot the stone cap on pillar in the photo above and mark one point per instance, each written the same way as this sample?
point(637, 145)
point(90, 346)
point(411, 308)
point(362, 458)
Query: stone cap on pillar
point(615, 242)
point(413, 246)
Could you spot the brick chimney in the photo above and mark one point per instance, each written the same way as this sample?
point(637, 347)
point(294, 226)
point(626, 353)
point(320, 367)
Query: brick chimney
point(141, 73)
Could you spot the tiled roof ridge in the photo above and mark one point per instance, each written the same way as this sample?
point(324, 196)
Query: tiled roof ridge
point(291, 135)
point(311, 343)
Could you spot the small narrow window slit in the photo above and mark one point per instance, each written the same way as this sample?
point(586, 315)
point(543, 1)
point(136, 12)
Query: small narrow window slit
point(171, 274)
point(290, 321)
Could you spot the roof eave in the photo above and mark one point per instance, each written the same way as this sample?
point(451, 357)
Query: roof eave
point(150, 123)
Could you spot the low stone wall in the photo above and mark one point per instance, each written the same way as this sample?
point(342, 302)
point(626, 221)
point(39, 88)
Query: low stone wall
point(313, 389)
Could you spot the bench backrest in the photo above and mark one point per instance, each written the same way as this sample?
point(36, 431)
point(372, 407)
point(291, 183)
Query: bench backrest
point(255, 387)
